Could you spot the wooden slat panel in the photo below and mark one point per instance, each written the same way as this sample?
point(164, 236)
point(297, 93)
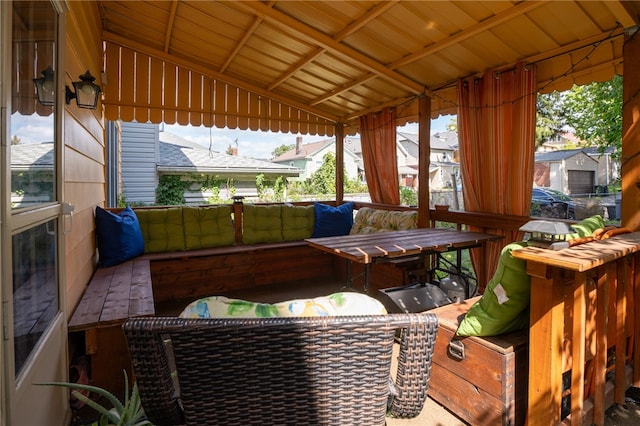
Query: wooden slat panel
point(127, 68)
point(116, 305)
point(621, 330)
point(600, 360)
point(156, 80)
point(196, 114)
point(90, 307)
point(232, 106)
point(142, 88)
point(243, 109)
point(207, 102)
point(578, 336)
point(220, 95)
point(170, 94)
point(184, 90)
point(141, 297)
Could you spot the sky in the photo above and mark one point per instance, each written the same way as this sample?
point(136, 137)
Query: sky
point(37, 129)
point(261, 144)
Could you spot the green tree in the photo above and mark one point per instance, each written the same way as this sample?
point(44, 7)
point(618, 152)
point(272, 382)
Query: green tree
point(323, 181)
point(229, 150)
point(281, 150)
point(550, 118)
point(594, 111)
point(15, 140)
point(453, 125)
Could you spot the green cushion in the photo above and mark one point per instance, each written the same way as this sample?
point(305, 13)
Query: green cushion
point(162, 229)
point(504, 305)
point(297, 222)
point(585, 227)
point(207, 227)
point(261, 224)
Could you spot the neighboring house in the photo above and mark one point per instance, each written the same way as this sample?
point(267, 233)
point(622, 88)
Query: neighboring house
point(444, 163)
point(407, 169)
point(608, 166)
point(308, 157)
point(148, 153)
point(32, 172)
point(569, 171)
point(561, 141)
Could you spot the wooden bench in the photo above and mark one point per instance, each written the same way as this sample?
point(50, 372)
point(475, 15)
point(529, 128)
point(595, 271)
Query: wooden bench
point(163, 281)
point(114, 294)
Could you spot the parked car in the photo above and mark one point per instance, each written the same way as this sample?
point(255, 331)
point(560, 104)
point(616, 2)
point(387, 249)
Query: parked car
point(544, 198)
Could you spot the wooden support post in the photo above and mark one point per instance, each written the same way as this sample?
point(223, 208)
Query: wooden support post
point(630, 161)
point(339, 163)
point(424, 158)
point(635, 264)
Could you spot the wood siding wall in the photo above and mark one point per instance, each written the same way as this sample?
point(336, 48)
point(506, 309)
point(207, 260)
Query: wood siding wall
point(84, 154)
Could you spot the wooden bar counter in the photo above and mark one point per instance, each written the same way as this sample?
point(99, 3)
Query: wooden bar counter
point(583, 324)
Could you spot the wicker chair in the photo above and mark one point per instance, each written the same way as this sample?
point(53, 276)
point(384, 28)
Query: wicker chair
point(279, 371)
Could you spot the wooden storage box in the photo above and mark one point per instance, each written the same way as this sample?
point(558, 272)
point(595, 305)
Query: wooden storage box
point(488, 386)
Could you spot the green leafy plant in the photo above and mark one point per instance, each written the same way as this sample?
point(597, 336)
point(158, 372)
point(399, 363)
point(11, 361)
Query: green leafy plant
point(129, 413)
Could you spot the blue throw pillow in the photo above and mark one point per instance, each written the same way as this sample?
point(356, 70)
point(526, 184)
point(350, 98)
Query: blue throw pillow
point(119, 236)
point(332, 221)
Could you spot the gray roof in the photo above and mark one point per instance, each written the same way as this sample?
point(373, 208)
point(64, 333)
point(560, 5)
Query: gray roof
point(32, 156)
point(440, 140)
point(183, 156)
point(557, 155)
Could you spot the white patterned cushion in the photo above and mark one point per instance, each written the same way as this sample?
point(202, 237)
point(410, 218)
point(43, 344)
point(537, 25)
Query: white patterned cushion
point(344, 303)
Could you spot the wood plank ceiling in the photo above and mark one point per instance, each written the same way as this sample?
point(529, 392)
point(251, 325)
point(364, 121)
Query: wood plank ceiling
point(302, 66)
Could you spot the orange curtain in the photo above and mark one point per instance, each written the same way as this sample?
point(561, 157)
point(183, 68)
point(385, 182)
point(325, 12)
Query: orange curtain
point(378, 138)
point(496, 134)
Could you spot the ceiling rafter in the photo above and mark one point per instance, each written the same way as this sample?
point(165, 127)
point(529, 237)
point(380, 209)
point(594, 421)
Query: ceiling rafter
point(172, 17)
point(376, 11)
point(343, 88)
point(247, 34)
point(621, 13)
point(467, 33)
point(316, 37)
point(438, 46)
point(142, 48)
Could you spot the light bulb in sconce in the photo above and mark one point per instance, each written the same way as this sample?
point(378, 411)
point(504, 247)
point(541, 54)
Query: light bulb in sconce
point(46, 87)
point(87, 92)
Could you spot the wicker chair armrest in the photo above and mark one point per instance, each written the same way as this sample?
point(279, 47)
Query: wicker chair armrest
point(417, 342)
point(153, 368)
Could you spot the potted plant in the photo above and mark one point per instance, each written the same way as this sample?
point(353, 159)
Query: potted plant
point(127, 413)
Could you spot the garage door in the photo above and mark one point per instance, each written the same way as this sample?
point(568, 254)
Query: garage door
point(581, 181)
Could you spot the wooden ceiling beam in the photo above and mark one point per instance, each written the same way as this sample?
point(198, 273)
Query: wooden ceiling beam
point(247, 34)
point(378, 10)
point(621, 13)
point(467, 33)
point(172, 17)
point(314, 36)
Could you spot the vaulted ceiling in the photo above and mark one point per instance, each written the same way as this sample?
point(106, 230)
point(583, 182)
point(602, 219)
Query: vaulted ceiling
point(302, 66)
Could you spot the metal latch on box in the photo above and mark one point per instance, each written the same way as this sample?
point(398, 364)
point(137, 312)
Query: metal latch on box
point(456, 350)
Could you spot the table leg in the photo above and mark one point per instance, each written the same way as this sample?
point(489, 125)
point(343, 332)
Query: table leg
point(367, 267)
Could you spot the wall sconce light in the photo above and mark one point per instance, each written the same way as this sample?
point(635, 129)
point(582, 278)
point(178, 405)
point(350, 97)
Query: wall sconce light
point(46, 87)
point(86, 93)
